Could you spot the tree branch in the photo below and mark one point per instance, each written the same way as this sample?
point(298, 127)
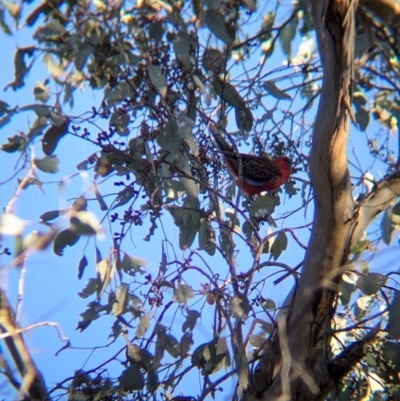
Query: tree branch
point(32, 380)
point(373, 203)
point(345, 362)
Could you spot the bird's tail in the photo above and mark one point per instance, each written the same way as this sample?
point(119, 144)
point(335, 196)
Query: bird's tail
point(221, 142)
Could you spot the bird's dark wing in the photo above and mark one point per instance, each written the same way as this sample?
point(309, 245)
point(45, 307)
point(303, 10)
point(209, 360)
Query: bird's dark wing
point(258, 170)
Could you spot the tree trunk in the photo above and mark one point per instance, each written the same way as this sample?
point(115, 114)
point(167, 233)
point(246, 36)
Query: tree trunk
point(301, 368)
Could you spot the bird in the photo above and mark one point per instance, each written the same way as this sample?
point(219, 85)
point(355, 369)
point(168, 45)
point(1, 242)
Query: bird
point(253, 174)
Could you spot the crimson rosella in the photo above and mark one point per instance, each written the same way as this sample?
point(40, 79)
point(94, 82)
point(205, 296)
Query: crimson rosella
point(258, 173)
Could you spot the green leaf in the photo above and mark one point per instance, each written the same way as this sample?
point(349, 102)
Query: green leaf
point(391, 353)
point(214, 60)
point(361, 306)
point(268, 304)
point(136, 306)
point(185, 131)
point(51, 215)
point(139, 356)
point(346, 288)
point(81, 267)
point(394, 215)
point(171, 141)
point(211, 357)
point(131, 379)
point(216, 23)
point(5, 120)
point(242, 368)
point(187, 218)
point(99, 258)
point(38, 241)
point(3, 25)
point(386, 228)
point(290, 188)
point(120, 120)
point(15, 143)
point(125, 58)
point(132, 264)
point(102, 204)
point(90, 314)
point(85, 223)
point(172, 346)
point(160, 330)
point(173, 190)
point(262, 206)
point(184, 46)
point(250, 4)
point(143, 325)
point(4, 108)
point(79, 204)
point(92, 286)
point(396, 209)
point(64, 238)
point(185, 343)
point(244, 119)
point(233, 218)
point(41, 92)
point(287, 35)
point(136, 147)
point(279, 245)
point(394, 316)
point(52, 136)
point(371, 283)
point(68, 91)
point(247, 230)
point(362, 118)
point(37, 128)
point(359, 247)
point(121, 300)
point(257, 340)
point(207, 237)
point(48, 164)
point(55, 70)
point(20, 67)
point(164, 263)
point(359, 99)
point(189, 184)
point(121, 92)
point(51, 31)
point(240, 307)
point(183, 293)
point(103, 269)
point(14, 10)
point(228, 93)
point(191, 319)
point(123, 197)
point(158, 79)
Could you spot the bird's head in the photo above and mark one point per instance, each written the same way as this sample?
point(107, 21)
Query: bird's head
point(286, 160)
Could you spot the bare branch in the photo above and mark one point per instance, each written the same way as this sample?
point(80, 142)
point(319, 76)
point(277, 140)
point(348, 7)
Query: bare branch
point(32, 380)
